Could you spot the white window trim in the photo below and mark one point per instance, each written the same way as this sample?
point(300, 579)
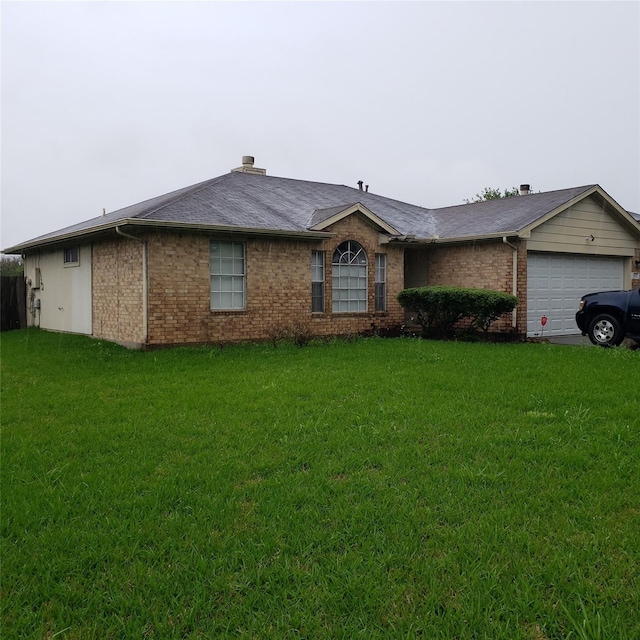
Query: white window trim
point(235, 277)
point(320, 256)
point(380, 270)
point(351, 251)
point(71, 263)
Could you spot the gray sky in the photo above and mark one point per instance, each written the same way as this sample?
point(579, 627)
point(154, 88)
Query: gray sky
point(105, 104)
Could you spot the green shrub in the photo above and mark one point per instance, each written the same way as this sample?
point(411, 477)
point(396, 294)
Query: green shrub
point(438, 309)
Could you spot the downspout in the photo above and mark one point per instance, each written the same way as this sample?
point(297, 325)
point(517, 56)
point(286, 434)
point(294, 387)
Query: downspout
point(514, 279)
point(145, 292)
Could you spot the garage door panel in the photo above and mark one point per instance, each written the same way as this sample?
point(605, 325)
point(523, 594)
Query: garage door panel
point(541, 305)
point(556, 282)
point(607, 283)
point(555, 326)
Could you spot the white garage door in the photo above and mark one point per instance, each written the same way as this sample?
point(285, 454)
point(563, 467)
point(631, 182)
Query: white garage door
point(557, 281)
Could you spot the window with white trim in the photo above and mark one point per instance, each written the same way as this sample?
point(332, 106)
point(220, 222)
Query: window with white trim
point(71, 256)
point(317, 281)
point(381, 282)
point(227, 266)
point(349, 277)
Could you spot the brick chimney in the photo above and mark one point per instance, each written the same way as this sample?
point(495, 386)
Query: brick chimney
point(525, 189)
point(247, 167)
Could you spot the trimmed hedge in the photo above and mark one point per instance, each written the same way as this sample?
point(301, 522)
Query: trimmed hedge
point(438, 309)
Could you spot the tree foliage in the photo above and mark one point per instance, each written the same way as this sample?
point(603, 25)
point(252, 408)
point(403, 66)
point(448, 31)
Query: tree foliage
point(11, 266)
point(489, 193)
point(438, 308)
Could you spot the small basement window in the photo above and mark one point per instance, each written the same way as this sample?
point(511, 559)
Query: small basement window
point(72, 256)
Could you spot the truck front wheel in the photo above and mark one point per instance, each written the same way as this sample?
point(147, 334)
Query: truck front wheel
point(605, 331)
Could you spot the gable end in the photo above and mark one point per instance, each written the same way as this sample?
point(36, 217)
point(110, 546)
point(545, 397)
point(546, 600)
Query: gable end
point(587, 226)
point(323, 218)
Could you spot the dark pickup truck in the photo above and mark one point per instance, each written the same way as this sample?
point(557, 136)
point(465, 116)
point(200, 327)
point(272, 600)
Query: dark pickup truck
point(608, 317)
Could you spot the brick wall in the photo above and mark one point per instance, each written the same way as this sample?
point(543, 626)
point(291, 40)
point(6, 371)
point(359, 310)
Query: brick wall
point(178, 268)
point(117, 300)
point(278, 285)
point(278, 288)
point(482, 265)
point(355, 227)
point(521, 309)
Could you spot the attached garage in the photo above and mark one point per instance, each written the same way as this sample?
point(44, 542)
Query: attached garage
point(557, 281)
point(583, 248)
point(548, 249)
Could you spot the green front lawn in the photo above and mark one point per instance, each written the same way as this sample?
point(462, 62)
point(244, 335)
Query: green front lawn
point(374, 489)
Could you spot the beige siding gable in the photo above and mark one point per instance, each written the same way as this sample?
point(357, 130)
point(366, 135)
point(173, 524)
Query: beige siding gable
point(571, 231)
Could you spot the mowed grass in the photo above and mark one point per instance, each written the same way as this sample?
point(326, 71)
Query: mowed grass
point(366, 489)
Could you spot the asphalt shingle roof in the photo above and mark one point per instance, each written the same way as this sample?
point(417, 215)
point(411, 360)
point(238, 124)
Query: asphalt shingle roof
point(261, 202)
point(501, 215)
point(253, 201)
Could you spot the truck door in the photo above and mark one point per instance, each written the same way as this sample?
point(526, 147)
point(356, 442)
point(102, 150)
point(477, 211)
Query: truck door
point(633, 325)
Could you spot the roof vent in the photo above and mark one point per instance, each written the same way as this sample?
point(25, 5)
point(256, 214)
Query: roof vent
point(525, 189)
point(247, 166)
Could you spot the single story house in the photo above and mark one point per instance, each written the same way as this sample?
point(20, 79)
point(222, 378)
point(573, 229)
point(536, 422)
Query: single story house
point(245, 255)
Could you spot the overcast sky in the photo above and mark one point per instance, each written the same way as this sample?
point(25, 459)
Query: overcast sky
point(105, 104)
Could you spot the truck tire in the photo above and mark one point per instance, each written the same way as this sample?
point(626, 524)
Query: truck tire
point(605, 331)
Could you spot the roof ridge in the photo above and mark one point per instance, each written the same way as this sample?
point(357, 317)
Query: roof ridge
point(346, 186)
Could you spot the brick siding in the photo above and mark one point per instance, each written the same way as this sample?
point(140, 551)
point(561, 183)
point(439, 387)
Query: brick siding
point(117, 302)
point(278, 288)
point(278, 285)
point(355, 227)
point(482, 265)
point(521, 309)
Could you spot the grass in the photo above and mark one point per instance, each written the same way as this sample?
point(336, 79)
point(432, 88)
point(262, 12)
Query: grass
point(374, 489)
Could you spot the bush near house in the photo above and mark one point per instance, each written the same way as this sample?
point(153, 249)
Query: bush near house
point(439, 309)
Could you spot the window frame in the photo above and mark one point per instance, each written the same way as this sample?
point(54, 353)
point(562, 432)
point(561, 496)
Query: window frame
point(380, 282)
point(71, 256)
point(350, 262)
point(225, 269)
point(317, 283)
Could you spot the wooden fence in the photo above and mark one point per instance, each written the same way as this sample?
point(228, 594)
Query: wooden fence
point(13, 303)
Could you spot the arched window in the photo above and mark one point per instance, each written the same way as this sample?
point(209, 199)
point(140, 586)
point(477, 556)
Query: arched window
point(349, 277)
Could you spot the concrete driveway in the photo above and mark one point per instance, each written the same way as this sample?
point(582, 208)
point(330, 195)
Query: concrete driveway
point(583, 341)
point(577, 340)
